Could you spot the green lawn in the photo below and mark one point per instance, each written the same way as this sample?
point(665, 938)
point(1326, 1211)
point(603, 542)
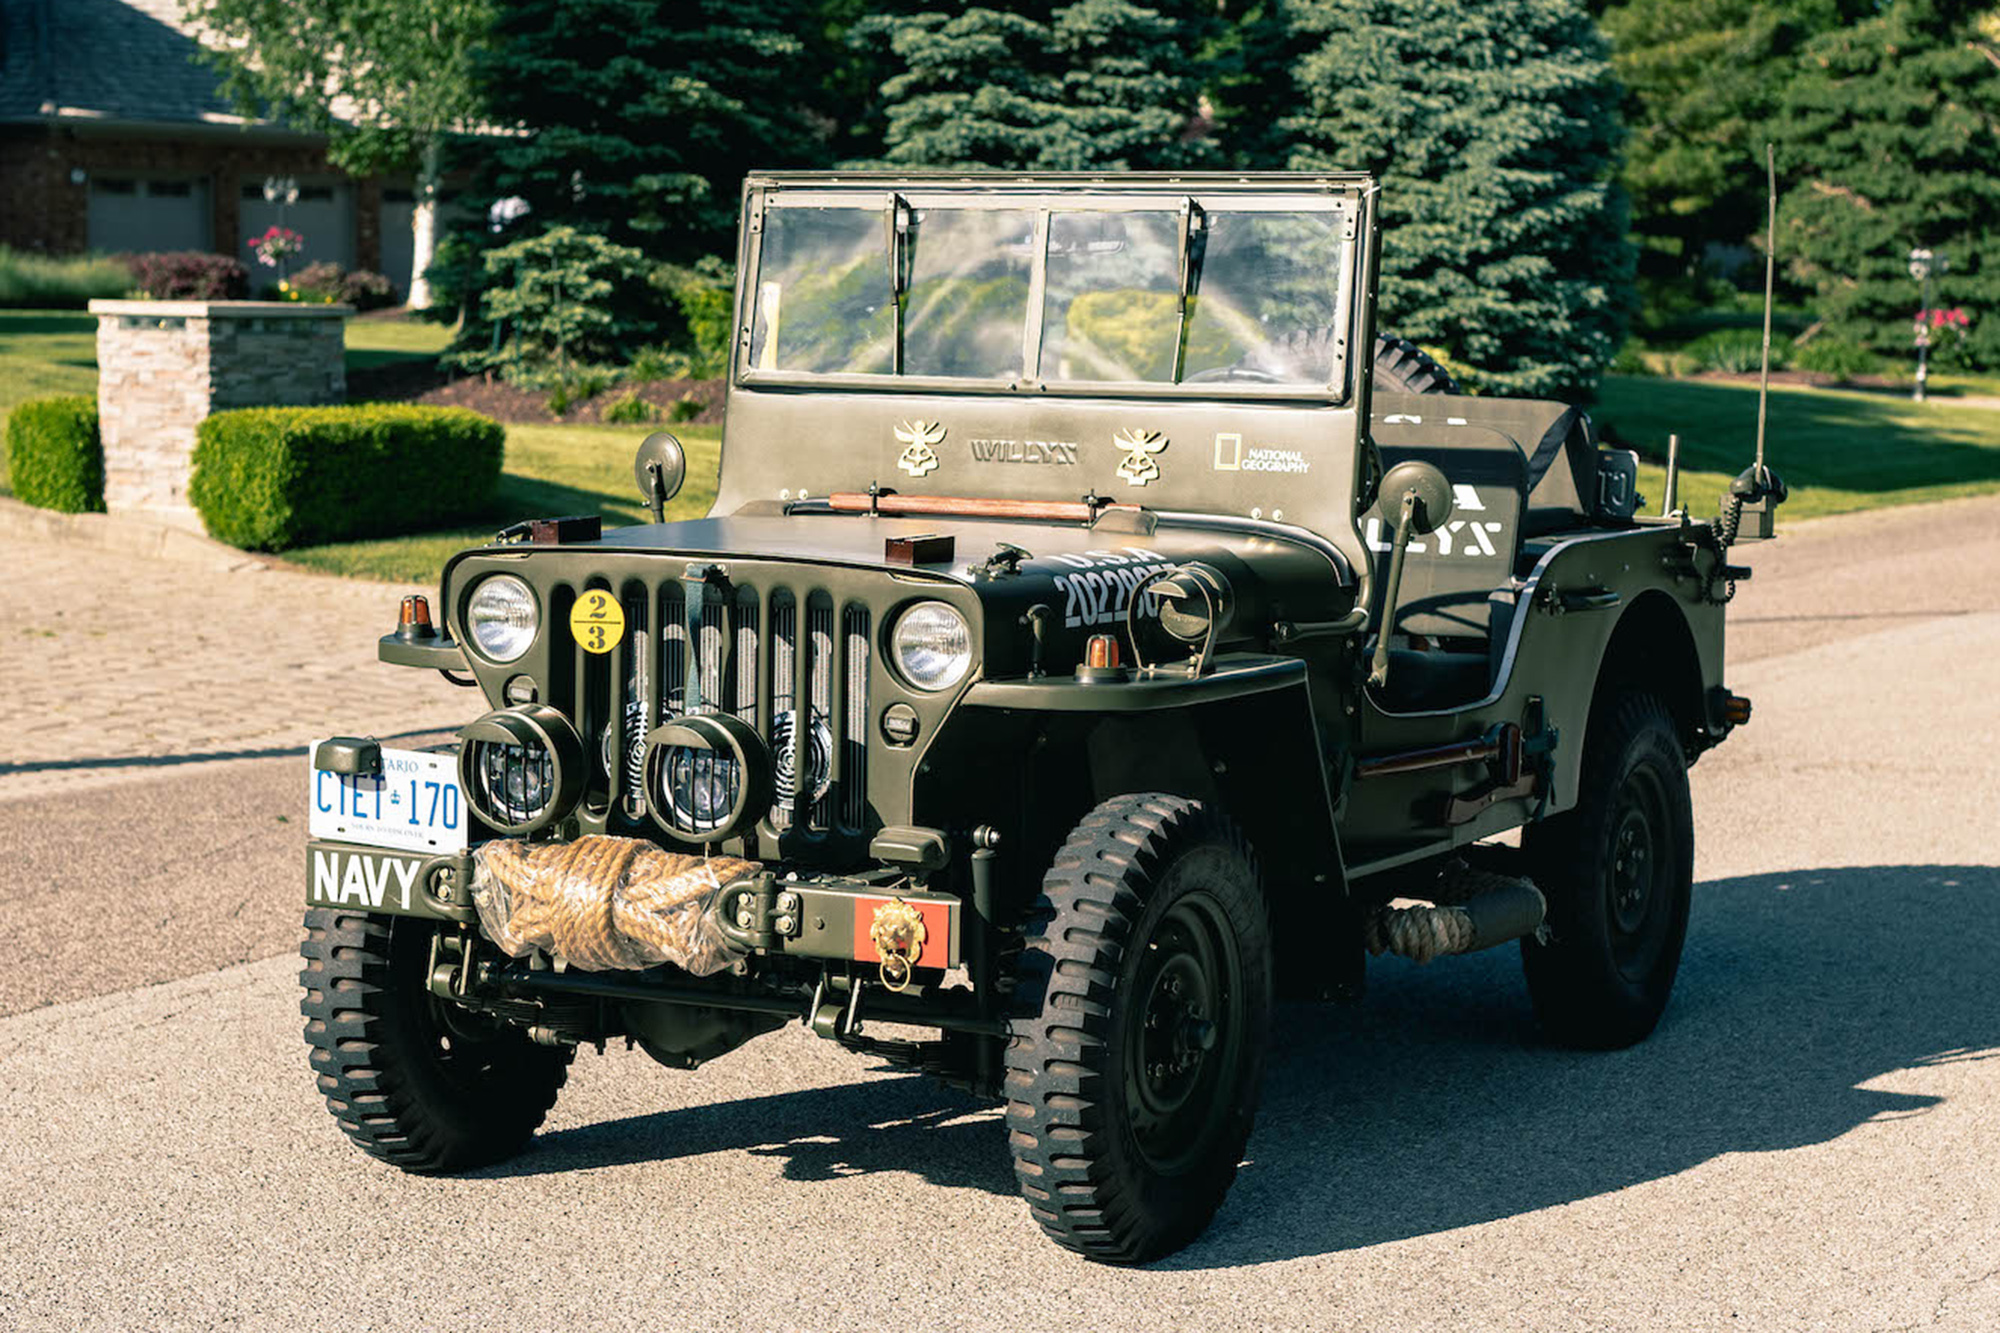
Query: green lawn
point(1838, 450)
point(380, 342)
point(549, 471)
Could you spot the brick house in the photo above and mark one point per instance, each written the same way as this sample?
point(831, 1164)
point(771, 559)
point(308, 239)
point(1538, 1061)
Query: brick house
point(114, 137)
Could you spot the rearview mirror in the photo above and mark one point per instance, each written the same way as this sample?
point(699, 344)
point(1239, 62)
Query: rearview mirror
point(659, 467)
point(1434, 503)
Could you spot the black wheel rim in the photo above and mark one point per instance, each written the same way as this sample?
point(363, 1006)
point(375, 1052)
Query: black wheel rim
point(1639, 876)
point(1184, 1034)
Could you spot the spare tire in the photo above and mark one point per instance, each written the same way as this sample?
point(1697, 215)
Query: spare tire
point(1403, 367)
point(1400, 365)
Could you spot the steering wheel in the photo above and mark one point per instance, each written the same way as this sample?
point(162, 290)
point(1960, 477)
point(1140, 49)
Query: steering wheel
point(1240, 373)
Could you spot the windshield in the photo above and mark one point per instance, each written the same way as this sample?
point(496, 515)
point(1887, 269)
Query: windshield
point(1059, 295)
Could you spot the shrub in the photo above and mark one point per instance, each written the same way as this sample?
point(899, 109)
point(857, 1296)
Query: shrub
point(1837, 357)
point(42, 282)
point(660, 363)
point(54, 457)
point(269, 478)
point(1631, 359)
point(1732, 351)
point(705, 294)
point(686, 408)
point(318, 282)
point(189, 275)
point(559, 299)
point(367, 291)
point(630, 409)
point(328, 283)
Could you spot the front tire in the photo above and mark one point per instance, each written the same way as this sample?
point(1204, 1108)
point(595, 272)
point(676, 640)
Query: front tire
point(419, 1083)
point(1618, 872)
point(1132, 1085)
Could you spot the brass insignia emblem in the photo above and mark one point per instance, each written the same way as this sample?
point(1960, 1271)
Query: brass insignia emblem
point(918, 457)
point(1138, 466)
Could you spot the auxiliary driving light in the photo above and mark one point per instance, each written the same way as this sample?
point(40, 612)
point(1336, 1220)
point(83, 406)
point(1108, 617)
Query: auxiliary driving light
point(522, 768)
point(708, 777)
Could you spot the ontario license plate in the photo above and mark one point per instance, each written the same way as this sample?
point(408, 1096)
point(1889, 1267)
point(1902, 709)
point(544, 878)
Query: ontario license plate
point(415, 803)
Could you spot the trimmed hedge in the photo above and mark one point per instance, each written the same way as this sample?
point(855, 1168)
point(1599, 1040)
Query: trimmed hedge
point(54, 457)
point(269, 478)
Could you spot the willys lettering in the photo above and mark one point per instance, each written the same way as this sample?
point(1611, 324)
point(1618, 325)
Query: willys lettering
point(1059, 452)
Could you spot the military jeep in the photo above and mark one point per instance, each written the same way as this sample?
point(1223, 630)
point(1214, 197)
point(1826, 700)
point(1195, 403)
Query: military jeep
point(1098, 634)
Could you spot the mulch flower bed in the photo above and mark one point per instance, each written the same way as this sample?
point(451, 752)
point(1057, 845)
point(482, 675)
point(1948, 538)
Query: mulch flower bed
point(420, 382)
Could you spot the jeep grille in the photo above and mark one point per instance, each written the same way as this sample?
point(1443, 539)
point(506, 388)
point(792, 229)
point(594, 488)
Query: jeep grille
point(742, 668)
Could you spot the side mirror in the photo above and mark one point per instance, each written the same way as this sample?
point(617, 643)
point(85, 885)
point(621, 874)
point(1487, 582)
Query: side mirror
point(659, 467)
point(1433, 506)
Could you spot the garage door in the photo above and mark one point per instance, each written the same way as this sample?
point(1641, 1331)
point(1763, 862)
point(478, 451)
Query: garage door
point(324, 215)
point(138, 213)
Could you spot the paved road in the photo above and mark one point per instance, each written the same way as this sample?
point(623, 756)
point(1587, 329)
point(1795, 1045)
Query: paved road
point(1807, 1142)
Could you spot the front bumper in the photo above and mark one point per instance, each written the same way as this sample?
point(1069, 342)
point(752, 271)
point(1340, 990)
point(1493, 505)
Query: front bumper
point(766, 913)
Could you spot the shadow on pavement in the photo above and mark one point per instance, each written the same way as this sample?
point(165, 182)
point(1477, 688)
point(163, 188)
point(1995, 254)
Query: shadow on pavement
point(1437, 1104)
point(189, 757)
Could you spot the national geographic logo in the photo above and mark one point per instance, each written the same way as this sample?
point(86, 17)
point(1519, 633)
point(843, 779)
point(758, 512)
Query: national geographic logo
point(1059, 453)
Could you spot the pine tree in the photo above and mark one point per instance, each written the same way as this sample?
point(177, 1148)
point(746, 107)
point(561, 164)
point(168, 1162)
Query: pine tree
point(637, 119)
point(1494, 129)
point(1701, 78)
point(1887, 142)
point(1089, 85)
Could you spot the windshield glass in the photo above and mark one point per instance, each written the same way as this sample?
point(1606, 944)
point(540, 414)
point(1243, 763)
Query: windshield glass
point(1264, 300)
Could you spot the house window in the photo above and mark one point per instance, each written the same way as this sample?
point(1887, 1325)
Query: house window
point(169, 189)
point(111, 185)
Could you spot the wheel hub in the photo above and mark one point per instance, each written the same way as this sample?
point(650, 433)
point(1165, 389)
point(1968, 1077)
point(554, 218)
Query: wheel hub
point(1177, 1058)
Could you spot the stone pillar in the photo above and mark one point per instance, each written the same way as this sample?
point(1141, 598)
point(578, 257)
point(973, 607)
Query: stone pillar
point(164, 365)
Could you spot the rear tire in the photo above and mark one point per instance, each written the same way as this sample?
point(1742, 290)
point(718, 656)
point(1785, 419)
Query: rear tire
point(1132, 1085)
point(1618, 873)
point(418, 1082)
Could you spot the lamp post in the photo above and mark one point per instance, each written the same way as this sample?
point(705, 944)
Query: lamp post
point(1923, 264)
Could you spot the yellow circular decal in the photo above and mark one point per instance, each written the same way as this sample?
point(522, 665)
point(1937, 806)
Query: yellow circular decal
point(597, 621)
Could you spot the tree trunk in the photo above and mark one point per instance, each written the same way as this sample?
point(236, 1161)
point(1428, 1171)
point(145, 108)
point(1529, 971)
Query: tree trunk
point(423, 225)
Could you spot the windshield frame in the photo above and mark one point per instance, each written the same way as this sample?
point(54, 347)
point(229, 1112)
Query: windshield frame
point(1343, 196)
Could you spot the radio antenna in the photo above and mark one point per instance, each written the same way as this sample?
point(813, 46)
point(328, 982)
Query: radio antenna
point(1770, 270)
point(1759, 491)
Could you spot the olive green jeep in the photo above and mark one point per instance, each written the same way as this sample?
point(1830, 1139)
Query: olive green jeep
point(1100, 632)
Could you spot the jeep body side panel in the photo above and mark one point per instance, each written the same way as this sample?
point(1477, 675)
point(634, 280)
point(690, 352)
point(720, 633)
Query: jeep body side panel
point(1578, 594)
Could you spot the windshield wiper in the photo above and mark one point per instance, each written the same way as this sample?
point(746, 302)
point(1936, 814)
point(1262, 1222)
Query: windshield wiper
point(897, 221)
point(1193, 220)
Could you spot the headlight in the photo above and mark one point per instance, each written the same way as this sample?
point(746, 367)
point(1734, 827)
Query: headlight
point(502, 617)
point(933, 646)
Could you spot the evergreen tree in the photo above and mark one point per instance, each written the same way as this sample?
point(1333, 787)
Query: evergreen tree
point(1494, 129)
point(1887, 142)
point(637, 119)
point(1093, 84)
point(1701, 78)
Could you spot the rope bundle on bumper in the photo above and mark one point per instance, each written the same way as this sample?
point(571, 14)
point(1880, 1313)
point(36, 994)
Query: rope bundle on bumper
point(604, 904)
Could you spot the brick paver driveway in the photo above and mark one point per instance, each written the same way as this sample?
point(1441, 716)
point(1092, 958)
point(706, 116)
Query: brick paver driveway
point(114, 663)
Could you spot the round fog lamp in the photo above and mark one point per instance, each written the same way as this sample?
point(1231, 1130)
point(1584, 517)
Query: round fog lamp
point(502, 618)
point(933, 646)
point(522, 768)
point(707, 777)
